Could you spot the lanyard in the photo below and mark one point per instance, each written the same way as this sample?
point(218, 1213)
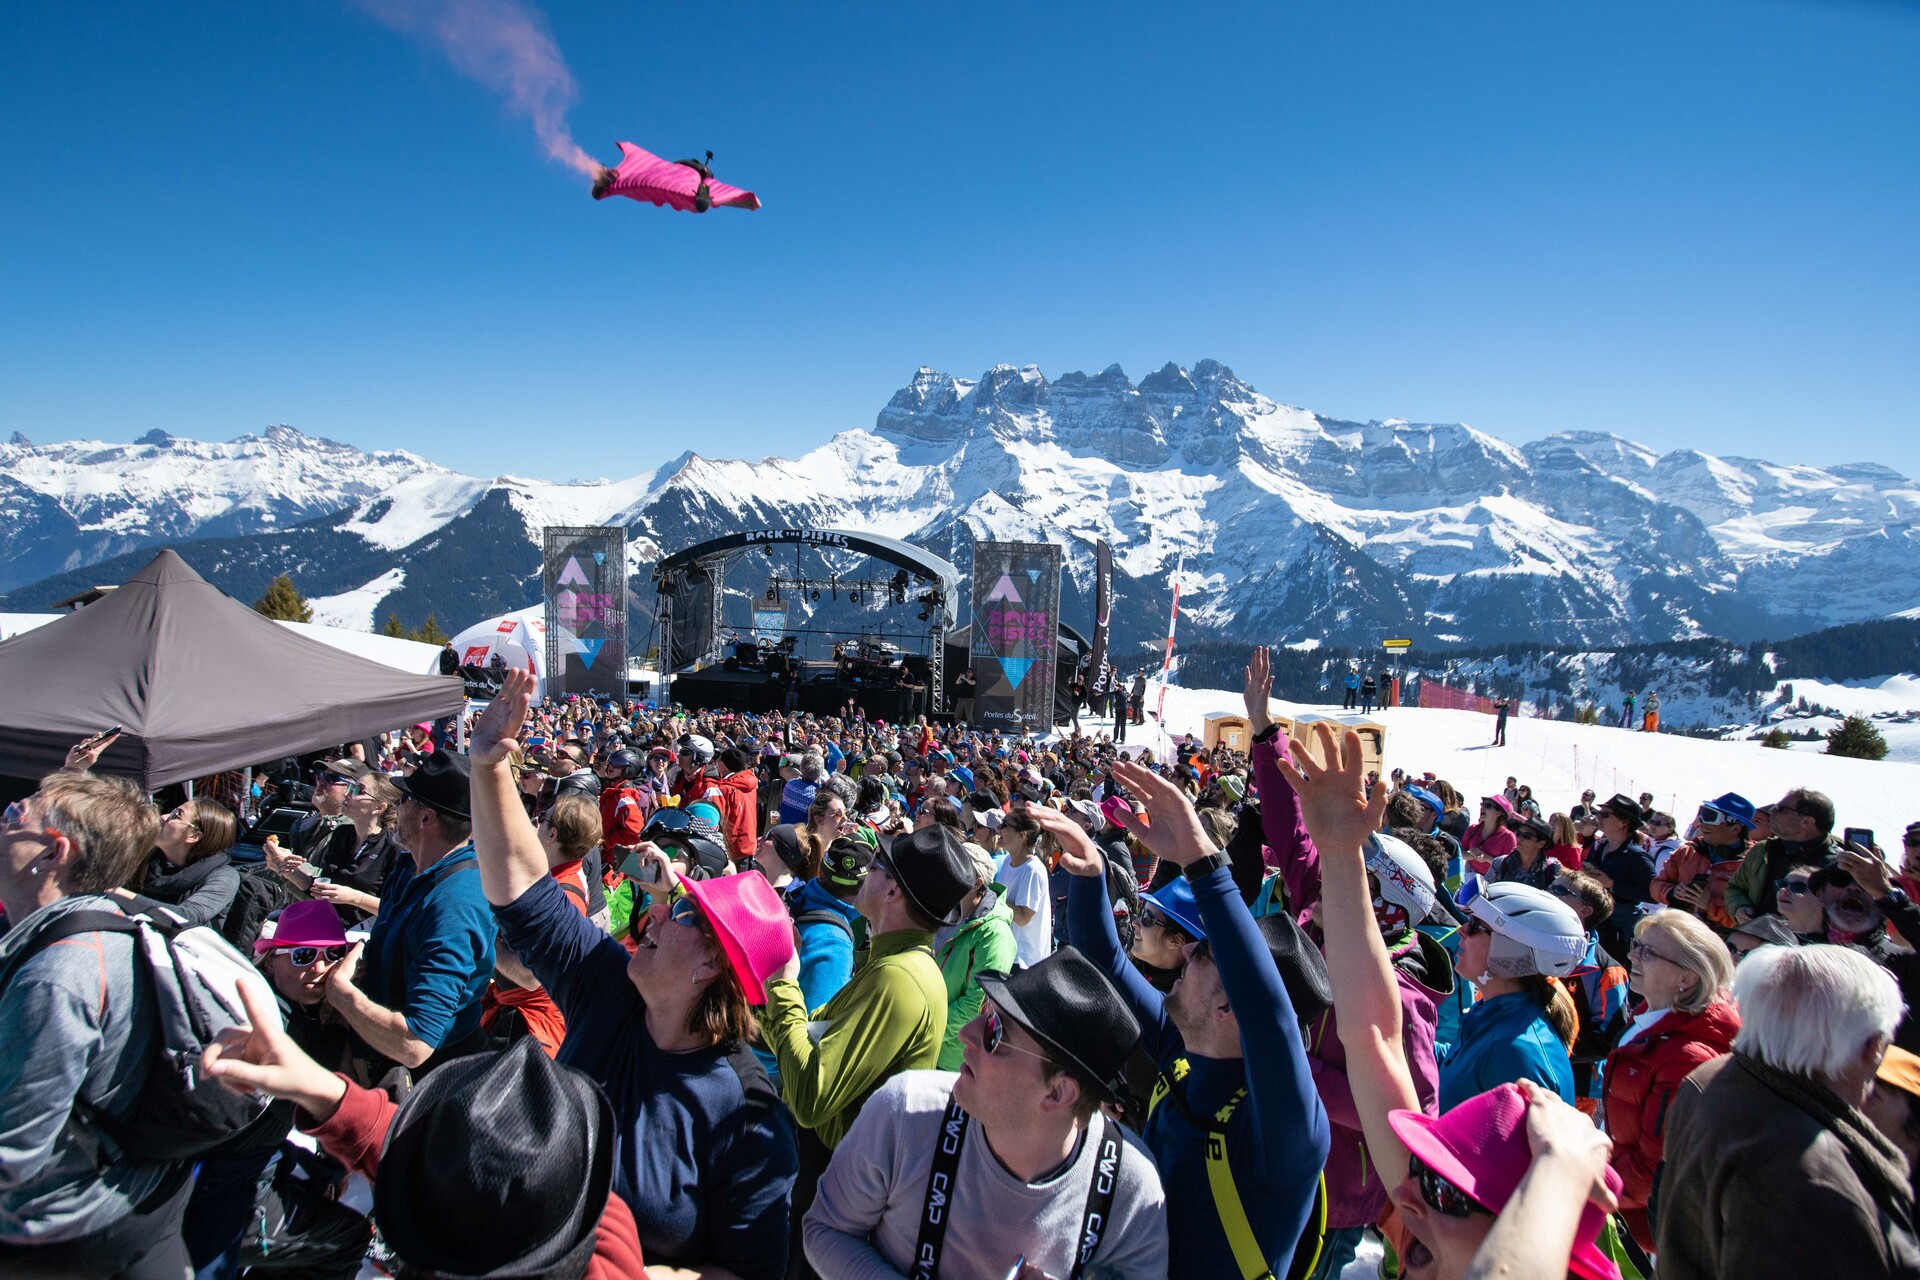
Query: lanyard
point(946, 1165)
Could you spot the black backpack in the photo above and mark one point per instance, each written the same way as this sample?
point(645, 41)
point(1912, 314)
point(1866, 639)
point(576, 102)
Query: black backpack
point(261, 893)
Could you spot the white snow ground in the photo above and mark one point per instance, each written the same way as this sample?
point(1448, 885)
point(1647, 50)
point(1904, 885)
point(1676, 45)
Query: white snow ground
point(353, 610)
point(1559, 759)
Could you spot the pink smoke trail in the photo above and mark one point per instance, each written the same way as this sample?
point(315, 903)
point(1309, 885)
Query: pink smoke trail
point(505, 46)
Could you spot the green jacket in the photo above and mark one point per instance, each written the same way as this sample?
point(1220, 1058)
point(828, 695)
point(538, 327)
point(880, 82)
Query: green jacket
point(984, 942)
point(1752, 885)
point(888, 1019)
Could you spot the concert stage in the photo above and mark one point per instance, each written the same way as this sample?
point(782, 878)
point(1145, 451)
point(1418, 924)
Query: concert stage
point(822, 692)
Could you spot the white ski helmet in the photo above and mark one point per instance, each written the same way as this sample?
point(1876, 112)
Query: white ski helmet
point(1533, 931)
point(1405, 879)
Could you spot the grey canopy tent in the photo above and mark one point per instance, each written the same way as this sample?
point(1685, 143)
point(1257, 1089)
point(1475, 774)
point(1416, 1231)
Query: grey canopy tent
point(199, 682)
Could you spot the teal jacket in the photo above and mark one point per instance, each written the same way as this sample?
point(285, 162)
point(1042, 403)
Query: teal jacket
point(1504, 1039)
point(984, 941)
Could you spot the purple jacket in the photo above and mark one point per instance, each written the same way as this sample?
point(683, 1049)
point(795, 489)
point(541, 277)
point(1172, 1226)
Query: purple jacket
point(1355, 1194)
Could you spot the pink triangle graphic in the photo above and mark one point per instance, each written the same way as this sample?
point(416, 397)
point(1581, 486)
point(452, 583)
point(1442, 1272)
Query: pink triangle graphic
point(1003, 590)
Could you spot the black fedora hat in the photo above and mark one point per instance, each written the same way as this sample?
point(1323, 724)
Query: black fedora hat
point(497, 1164)
point(1068, 1005)
point(931, 869)
point(1303, 970)
point(1625, 808)
point(443, 781)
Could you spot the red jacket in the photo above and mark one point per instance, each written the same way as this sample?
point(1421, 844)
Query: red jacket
point(1642, 1077)
point(623, 814)
point(739, 805)
point(356, 1134)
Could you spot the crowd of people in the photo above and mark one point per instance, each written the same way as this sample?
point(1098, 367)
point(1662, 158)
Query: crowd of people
point(626, 990)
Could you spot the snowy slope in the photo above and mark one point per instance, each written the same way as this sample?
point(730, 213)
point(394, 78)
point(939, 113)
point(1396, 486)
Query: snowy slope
point(1559, 760)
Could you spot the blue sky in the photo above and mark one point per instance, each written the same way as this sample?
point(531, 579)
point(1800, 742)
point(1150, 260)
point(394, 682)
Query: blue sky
point(1694, 224)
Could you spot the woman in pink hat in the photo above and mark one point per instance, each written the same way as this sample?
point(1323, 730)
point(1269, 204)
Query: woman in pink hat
point(1491, 838)
point(707, 1157)
point(1512, 1181)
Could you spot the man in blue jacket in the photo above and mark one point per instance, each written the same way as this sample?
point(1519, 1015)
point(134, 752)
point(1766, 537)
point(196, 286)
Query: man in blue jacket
point(411, 994)
point(1228, 1045)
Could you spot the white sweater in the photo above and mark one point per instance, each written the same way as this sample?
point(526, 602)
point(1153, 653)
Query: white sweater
point(866, 1221)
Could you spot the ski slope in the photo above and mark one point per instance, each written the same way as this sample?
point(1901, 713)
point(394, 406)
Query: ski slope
point(1559, 760)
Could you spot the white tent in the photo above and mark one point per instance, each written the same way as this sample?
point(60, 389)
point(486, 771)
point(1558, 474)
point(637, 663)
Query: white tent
point(409, 656)
point(520, 638)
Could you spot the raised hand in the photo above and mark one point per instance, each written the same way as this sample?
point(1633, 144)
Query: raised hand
point(83, 755)
point(497, 730)
point(1558, 1131)
point(263, 1058)
point(1078, 854)
point(1172, 829)
point(1258, 690)
point(1867, 869)
point(1330, 775)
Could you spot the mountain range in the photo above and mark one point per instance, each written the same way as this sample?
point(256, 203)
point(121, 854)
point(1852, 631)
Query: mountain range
point(1284, 526)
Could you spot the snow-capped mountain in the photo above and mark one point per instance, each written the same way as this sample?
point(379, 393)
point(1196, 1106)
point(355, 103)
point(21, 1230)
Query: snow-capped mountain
point(1290, 526)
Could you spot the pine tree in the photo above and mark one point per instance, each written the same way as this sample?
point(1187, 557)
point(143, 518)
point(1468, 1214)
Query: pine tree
point(284, 602)
point(394, 627)
point(430, 632)
point(1776, 737)
point(1856, 736)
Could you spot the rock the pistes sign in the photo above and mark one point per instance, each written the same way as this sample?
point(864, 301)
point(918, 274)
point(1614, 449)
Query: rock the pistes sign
point(1016, 622)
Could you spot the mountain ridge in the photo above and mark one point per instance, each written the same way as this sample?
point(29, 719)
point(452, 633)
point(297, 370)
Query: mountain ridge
point(1292, 526)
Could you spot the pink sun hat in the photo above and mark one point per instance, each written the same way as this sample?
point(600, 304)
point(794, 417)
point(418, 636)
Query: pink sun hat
point(752, 924)
point(303, 924)
point(1481, 1147)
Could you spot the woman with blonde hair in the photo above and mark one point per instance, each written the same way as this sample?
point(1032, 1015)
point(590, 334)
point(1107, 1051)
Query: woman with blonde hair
point(1682, 970)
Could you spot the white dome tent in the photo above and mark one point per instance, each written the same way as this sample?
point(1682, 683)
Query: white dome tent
point(520, 638)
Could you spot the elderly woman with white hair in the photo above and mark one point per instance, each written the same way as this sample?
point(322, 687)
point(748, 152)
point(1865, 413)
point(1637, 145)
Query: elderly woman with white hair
point(1772, 1170)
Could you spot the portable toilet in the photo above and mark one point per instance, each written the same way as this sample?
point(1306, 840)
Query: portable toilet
point(1226, 729)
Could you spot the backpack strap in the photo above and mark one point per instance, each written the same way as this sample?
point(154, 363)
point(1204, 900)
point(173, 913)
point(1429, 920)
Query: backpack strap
point(1227, 1205)
point(820, 915)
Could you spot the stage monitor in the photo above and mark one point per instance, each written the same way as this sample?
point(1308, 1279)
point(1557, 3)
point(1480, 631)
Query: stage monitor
point(584, 585)
point(1016, 613)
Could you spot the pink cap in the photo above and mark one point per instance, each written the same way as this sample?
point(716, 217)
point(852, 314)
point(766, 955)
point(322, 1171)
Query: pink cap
point(752, 924)
point(1481, 1147)
point(1117, 811)
point(1500, 802)
point(304, 924)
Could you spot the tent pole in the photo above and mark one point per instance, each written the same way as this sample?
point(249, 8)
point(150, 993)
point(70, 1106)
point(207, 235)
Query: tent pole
point(189, 788)
point(246, 794)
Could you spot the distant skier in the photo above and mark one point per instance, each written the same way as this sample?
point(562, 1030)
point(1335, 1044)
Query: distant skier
point(1369, 689)
point(1353, 689)
point(1650, 721)
point(1626, 712)
point(1500, 723)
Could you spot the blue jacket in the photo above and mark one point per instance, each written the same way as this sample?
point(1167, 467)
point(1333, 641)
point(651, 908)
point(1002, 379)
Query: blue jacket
point(826, 950)
point(1446, 1027)
point(1278, 1138)
point(430, 953)
point(1502, 1040)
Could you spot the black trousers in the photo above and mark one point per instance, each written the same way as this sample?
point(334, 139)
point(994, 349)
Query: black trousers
point(814, 1156)
point(144, 1245)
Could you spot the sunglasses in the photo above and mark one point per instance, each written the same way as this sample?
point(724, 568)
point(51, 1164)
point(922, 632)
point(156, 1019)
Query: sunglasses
point(302, 957)
point(686, 914)
point(993, 1036)
point(1476, 929)
point(1442, 1196)
point(1790, 808)
point(1795, 886)
point(180, 815)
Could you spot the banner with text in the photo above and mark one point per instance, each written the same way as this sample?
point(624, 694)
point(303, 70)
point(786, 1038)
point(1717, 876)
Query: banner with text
point(584, 584)
point(1016, 627)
